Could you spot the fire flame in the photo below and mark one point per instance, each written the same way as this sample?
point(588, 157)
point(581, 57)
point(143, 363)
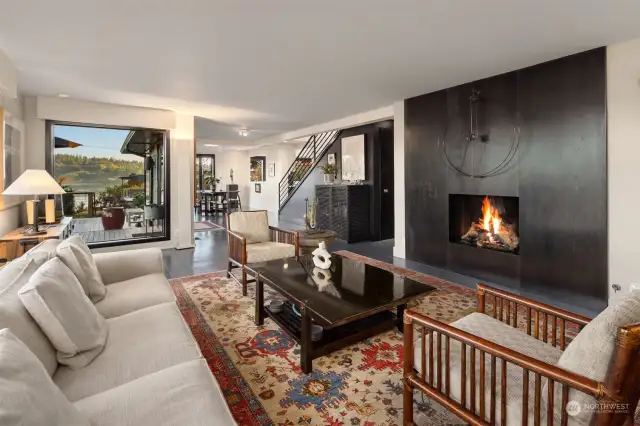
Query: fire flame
point(490, 217)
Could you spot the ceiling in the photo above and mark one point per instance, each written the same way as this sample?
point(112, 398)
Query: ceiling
point(278, 65)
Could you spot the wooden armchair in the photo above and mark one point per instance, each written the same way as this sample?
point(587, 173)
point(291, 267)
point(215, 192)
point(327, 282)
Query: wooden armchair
point(252, 240)
point(487, 371)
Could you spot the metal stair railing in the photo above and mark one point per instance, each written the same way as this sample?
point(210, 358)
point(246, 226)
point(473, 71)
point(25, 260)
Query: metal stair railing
point(308, 158)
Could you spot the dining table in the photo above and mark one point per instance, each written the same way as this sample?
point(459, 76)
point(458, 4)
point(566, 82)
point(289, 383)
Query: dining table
point(211, 201)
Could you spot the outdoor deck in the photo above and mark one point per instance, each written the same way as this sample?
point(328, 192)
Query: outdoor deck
point(91, 231)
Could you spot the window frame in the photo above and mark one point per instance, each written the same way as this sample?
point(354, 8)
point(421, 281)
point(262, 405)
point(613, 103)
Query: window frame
point(166, 152)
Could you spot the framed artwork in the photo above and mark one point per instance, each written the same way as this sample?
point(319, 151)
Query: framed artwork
point(258, 188)
point(331, 159)
point(272, 169)
point(353, 162)
point(257, 169)
point(11, 133)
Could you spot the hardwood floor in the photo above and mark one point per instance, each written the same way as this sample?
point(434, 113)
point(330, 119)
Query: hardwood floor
point(209, 255)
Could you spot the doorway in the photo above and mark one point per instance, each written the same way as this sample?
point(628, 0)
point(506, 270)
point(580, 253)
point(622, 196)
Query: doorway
point(386, 184)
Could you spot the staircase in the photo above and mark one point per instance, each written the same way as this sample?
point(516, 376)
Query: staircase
point(308, 158)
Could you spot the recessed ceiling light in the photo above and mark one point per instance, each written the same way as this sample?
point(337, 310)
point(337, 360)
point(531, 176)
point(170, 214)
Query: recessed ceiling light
point(210, 144)
point(63, 95)
point(284, 141)
point(243, 132)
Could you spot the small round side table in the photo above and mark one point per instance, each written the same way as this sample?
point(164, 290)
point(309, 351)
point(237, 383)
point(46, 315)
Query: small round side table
point(309, 240)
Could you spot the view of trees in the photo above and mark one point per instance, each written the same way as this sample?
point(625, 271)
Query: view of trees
point(94, 174)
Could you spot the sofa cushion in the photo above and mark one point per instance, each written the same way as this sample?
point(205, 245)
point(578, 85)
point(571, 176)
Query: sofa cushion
point(135, 294)
point(121, 266)
point(139, 343)
point(44, 251)
point(55, 299)
point(75, 253)
point(14, 316)
point(491, 329)
point(262, 252)
point(28, 396)
point(185, 394)
point(254, 226)
point(590, 352)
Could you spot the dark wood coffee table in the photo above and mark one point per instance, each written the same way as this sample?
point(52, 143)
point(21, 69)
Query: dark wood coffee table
point(354, 303)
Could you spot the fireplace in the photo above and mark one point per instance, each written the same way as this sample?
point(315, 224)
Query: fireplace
point(484, 221)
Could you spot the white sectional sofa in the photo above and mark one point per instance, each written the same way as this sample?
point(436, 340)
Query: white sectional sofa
point(151, 371)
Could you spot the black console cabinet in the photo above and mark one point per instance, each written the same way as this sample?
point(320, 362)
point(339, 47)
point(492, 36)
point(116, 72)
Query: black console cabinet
point(345, 209)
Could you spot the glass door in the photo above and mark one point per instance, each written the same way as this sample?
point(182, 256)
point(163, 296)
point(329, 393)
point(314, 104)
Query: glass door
point(205, 172)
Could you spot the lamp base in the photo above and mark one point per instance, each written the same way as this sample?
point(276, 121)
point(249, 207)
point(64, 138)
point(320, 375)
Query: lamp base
point(32, 208)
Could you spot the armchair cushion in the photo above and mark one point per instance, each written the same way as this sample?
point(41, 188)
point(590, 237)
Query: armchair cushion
point(262, 252)
point(254, 226)
point(590, 352)
point(488, 328)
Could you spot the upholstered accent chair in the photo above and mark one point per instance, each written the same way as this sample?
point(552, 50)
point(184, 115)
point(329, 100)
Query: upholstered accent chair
point(520, 362)
point(252, 240)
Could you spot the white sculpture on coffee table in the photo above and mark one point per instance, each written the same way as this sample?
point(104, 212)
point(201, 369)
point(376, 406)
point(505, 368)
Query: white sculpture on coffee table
point(321, 257)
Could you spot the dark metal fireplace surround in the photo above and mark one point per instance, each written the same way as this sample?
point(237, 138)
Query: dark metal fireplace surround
point(558, 177)
point(466, 212)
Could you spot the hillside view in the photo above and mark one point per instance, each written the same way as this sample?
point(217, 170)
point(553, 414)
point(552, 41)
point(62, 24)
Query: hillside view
point(94, 174)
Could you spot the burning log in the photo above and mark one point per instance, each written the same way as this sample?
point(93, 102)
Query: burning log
point(491, 231)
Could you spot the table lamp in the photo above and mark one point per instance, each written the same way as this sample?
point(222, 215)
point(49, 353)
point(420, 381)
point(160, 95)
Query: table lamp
point(34, 182)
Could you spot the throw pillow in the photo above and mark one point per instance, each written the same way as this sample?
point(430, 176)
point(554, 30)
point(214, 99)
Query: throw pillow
point(75, 253)
point(590, 352)
point(28, 396)
point(55, 299)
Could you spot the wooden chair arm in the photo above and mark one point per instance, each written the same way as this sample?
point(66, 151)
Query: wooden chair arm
point(619, 387)
point(285, 236)
point(549, 323)
point(237, 246)
point(236, 234)
point(575, 381)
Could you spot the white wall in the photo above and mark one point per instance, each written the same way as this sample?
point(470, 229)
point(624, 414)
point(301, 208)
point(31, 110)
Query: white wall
point(239, 163)
point(35, 137)
point(283, 156)
point(9, 100)
point(398, 180)
point(8, 77)
point(181, 134)
point(623, 115)
point(106, 114)
point(182, 140)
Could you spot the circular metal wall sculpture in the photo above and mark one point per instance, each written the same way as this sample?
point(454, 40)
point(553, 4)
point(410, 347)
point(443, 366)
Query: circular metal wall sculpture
point(473, 139)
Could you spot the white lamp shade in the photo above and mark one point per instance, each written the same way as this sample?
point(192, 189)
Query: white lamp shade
point(34, 182)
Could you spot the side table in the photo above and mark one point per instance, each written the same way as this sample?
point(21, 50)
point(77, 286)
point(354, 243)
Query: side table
point(309, 240)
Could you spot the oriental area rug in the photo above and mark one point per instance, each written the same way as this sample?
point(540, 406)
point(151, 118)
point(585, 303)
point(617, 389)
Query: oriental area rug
point(257, 367)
